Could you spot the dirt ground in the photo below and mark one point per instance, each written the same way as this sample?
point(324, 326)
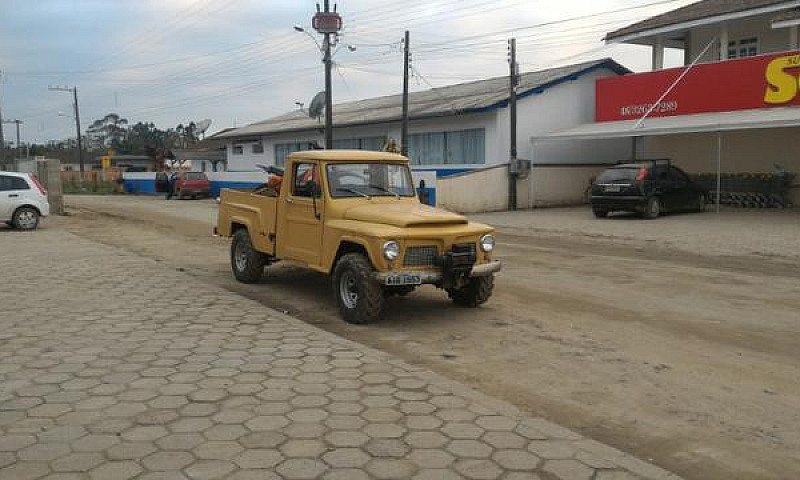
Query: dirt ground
point(686, 359)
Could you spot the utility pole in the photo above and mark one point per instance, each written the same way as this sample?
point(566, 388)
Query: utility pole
point(406, 65)
point(17, 154)
point(74, 91)
point(512, 101)
point(2, 138)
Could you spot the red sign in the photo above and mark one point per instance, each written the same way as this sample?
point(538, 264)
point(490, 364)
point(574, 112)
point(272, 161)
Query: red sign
point(327, 22)
point(749, 83)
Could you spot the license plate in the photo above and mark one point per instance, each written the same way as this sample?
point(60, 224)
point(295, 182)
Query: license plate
point(400, 279)
point(612, 188)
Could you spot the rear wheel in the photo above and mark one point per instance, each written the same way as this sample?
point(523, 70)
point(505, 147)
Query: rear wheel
point(653, 208)
point(475, 293)
point(701, 203)
point(600, 212)
point(247, 264)
point(25, 218)
point(358, 295)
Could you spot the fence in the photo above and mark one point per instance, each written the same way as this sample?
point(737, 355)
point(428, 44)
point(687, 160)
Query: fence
point(93, 181)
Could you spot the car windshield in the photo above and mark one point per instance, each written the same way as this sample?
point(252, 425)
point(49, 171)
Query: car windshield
point(369, 180)
point(618, 175)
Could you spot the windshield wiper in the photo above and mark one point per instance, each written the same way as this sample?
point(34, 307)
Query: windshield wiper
point(392, 192)
point(353, 190)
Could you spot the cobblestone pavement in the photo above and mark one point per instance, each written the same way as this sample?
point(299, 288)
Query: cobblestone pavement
point(115, 367)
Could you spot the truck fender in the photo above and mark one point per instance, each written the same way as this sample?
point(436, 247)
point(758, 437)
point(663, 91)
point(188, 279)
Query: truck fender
point(349, 244)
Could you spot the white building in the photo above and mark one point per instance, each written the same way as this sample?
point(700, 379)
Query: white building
point(454, 129)
point(732, 109)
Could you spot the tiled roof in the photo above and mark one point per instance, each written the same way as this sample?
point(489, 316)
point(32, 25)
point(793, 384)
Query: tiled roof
point(695, 11)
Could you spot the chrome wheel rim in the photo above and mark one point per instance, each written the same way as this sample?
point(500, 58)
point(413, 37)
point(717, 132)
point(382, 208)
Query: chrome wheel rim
point(348, 290)
point(240, 257)
point(26, 219)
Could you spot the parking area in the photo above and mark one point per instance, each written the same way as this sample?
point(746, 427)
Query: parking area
point(731, 232)
point(113, 368)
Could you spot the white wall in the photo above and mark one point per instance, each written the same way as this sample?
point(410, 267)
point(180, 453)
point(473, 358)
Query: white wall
point(770, 40)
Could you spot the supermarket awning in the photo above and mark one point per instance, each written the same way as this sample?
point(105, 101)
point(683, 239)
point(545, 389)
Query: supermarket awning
point(702, 122)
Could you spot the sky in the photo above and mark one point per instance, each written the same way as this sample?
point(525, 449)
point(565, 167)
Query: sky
point(240, 61)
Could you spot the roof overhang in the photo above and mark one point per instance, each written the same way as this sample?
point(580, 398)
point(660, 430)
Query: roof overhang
point(786, 23)
point(644, 35)
point(783, 117)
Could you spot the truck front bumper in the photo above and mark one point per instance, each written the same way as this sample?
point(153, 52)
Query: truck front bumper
point(482, 270)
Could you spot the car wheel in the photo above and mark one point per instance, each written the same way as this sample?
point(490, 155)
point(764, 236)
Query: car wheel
point(600, 212)
point(475, 293)
point(358, 295)
point(247, 264)
point(25, 218)
point(653, 208)
point(701, 203)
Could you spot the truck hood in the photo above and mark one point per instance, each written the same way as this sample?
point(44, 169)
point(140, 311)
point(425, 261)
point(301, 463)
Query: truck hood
point(403, 215)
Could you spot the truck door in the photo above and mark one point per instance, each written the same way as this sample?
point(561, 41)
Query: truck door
point(300, 231)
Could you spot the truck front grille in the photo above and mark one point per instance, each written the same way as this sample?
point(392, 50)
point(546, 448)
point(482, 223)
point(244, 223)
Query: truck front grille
point(420, 256)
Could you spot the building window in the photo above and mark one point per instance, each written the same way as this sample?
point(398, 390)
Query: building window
point(367, 143)
point(238, 150)
point(745, 47)
point(283, 150)
point(464, 147)
point(258, 148)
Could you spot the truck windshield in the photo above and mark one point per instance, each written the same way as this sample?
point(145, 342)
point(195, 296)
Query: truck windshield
point(369, 180)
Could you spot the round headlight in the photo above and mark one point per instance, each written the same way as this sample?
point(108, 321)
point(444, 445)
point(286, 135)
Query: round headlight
point(487, 243)
point(391, 250)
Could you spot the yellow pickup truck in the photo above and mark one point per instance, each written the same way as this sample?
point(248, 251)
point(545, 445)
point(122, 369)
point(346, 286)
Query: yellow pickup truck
point(355, 215)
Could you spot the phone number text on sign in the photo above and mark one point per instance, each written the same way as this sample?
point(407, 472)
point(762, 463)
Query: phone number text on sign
point(640, 110)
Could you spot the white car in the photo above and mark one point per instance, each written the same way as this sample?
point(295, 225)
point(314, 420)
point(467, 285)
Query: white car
point(23, 200)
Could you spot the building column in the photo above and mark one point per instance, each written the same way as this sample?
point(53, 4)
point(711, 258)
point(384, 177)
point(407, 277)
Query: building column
point(794, 39)
point(658, 54)
point(724, 39)
point(687, 49)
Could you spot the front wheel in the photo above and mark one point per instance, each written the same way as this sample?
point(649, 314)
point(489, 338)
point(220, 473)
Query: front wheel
point(247, 264)
point(475, 293)
point(25, 218)
point(358, 295)
point(599, 212)
point(653, 208)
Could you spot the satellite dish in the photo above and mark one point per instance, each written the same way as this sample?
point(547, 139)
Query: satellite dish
point(203, 125)
point(317, 105)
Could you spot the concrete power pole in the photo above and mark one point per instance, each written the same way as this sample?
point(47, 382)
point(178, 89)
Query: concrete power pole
point(74, 91)
point(406, 65)
point(17, 153)
point(328, 88)
point(512, 101)
point(2, 138)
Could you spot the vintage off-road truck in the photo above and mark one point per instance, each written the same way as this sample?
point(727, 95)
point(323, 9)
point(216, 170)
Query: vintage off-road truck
point(355, 215)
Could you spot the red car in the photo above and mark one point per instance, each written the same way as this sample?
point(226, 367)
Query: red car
point(191, 185)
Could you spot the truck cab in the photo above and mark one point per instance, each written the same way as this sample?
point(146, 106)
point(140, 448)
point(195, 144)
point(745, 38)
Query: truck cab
point(355, 215)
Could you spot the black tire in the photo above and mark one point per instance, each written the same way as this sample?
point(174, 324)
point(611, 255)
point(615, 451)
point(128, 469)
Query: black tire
point(600, 212)
point(25, 218)
point(473, 294)
point(246, 263)
point(653, 208)
point(701, 202)
point(358, 295)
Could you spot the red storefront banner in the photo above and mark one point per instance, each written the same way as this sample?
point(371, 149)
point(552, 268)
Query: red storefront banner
point(749, 83)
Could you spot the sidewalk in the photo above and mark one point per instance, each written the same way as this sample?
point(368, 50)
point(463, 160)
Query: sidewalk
point(115, 367)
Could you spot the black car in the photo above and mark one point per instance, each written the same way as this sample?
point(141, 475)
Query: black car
point(647, 187)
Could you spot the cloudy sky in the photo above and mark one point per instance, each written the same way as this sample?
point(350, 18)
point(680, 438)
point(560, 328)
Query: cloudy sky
point(240, 61)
